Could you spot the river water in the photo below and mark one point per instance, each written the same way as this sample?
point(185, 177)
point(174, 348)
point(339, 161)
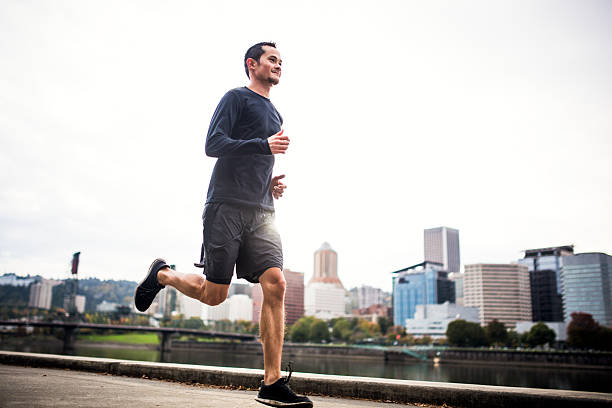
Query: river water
point(502, 374)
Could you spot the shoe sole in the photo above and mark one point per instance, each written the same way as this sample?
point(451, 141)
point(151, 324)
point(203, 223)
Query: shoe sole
point(147, 277)
point(273, 403)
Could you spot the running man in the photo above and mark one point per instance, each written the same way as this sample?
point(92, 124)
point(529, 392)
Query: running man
point(244, 134)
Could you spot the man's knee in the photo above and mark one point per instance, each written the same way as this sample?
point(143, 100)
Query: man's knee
point(273, 284)
point(213, 300)
point(213, 294)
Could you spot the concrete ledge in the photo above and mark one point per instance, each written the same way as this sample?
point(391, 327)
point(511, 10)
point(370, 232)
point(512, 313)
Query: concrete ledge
point(403, 391)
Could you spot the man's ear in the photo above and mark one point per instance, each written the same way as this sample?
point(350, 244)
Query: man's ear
point(251, 63)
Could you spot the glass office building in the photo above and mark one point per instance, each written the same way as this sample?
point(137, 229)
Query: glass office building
point(585, 281)
point(422, 284)
point(545, 281)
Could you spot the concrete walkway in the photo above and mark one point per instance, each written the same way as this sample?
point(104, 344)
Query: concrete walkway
point(347, 387)
point(45, 387)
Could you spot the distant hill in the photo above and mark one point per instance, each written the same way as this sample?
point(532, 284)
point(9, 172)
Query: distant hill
point(96, 291)
point(14, 295)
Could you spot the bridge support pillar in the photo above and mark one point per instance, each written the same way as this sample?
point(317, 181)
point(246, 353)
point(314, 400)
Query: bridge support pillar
point(69, 338)
point(165, 342)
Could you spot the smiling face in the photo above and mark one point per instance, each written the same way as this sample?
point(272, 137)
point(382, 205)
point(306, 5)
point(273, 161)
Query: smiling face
point(268, 68)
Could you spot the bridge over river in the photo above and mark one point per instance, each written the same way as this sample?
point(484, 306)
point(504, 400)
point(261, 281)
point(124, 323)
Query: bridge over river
point(70, 329)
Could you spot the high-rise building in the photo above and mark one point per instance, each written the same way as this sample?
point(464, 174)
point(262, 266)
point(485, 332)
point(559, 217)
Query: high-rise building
point(240, 308)
point(500, 291)
point(545, 279)
point(41, 294)
point(79, 303)
point(457, 277)
point(167, 301)
point(586, 281)
point(239, 289)
point(324, 296)
point(189, 307)
point(326, 266)
point(294, 297)
point(324, 300)
point(215, 313)
point(257, 299)
point(442, 246)
point(368, 296)
point(352, 300)
point(421, 284)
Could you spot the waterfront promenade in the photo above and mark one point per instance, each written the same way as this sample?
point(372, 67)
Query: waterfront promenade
point(45, 387)
point(90, 371)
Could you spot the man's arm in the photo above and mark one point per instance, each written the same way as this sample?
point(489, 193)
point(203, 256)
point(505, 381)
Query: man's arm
point(218, 140)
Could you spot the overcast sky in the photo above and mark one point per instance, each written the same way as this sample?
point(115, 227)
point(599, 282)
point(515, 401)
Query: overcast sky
point(492, 117)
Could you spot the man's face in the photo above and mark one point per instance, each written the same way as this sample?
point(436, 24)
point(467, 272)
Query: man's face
point(268, 69)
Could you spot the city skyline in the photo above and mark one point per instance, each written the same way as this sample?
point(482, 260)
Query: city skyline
point(103, 117)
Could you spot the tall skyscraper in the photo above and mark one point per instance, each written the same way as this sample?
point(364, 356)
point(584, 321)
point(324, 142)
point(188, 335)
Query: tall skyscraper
point(421, 284)
point(500, 291)
point(294, 297)
point(324, 294)
point(442, 246)
point(586, 280)
point(326, 266)
point(545, 278)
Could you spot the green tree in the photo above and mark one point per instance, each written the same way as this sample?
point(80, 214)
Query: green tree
point(193, 323)
point(14, 295)
point(605, 338)
point(585, 333)
point(384, 323)
point(496, 332)
point(341, 329)
point(540, 334)
point(513, 339)
point(465, 334)
point(319, 331)
point(395, 333)
point(300, 331)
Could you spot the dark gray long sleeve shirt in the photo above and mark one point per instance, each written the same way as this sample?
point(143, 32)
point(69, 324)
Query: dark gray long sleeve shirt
point(237, 136)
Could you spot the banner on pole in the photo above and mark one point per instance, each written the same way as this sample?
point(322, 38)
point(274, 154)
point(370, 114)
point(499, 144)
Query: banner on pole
point(75, 263)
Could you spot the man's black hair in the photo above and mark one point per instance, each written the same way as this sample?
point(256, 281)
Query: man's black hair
point(255, 52)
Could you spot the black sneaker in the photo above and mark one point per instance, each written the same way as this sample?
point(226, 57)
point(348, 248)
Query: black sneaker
point(280, 395)
point(149, 287)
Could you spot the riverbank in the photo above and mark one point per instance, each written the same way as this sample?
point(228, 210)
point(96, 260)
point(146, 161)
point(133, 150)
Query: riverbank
point(561, 359)
point(518, 358)
point(401, 391)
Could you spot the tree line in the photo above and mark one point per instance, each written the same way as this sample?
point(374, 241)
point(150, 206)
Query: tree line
point(583, 333)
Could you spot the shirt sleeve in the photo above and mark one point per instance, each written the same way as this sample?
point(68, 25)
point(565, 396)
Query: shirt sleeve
point(219, 142)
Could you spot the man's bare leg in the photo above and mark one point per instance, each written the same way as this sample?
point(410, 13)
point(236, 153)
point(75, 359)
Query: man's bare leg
point(272, 322)
point(194, 285)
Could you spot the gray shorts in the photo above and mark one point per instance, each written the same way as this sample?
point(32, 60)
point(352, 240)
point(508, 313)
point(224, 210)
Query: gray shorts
point(242, 236)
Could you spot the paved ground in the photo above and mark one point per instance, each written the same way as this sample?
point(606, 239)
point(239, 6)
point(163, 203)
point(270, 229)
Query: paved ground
point(41, 387)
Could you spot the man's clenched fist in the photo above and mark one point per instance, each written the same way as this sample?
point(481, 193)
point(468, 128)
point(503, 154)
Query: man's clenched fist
point(278, 143)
